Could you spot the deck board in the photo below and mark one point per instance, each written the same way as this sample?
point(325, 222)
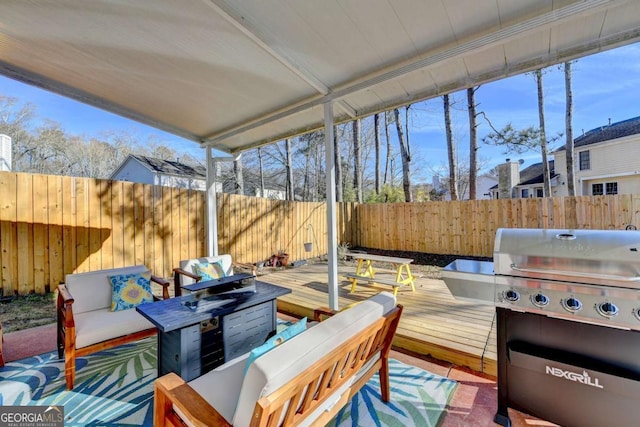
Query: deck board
point(433, 322)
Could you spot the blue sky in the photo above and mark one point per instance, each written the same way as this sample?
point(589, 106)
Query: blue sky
point(605, 85)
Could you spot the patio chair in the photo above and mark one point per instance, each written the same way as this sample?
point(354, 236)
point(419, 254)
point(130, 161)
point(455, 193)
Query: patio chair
point(96, 311)
point(224, 266)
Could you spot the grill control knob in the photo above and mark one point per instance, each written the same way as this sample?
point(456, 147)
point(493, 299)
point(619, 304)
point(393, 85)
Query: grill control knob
point(607, 309)
point(572, 304)
point(511, 295)
point(540, 300)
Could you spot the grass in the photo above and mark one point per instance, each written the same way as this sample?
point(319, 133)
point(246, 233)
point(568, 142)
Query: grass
point(23, 312)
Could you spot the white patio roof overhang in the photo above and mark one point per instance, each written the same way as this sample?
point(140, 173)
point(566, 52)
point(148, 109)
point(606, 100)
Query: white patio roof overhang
point(232, 74)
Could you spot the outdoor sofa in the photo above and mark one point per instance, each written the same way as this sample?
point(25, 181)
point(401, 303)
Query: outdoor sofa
point(303, 381)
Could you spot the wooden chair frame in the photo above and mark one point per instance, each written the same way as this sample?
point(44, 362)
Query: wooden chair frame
point(310, 389)
point(178, 272)
point(67, 331)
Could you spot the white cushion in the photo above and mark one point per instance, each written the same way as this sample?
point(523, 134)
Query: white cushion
point(92, 290)
point(337, 395)
point(100, 325)
point(282, 364)
point(328, 404)
point(221, 386)
point(187, 265)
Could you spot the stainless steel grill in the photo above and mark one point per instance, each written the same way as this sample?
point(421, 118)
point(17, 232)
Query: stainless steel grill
point(583, 275)
point(568, 322)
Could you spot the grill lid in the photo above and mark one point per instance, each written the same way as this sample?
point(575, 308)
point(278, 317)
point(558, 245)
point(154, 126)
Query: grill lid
point(601, 257)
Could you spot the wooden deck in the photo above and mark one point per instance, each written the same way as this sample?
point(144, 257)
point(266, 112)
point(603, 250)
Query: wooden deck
point(433, 322)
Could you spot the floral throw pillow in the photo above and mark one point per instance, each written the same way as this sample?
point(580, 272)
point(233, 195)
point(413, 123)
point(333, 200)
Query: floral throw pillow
point(209, 270)
point(130, 290)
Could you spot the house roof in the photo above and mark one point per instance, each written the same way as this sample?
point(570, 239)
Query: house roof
point(169, 167)
point(236, 74)
point(609, 132)
point(533, 174)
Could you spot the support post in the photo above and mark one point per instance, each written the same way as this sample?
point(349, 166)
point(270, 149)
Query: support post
point(332, 240)
point(212, 206)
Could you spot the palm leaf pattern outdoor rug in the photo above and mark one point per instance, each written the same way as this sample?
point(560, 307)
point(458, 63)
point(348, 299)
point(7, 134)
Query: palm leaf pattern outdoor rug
point(115, 388)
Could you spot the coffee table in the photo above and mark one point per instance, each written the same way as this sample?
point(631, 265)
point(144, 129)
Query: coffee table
point(196, 334)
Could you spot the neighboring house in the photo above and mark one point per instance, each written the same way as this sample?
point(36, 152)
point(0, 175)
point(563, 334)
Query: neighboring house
point(168, 173)
point(607, 160)
point(5, 153)
point(484, 184)
point(514, 183)
point(271, 194)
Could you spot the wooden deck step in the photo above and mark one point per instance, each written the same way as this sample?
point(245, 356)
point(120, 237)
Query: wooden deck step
point(433, 321)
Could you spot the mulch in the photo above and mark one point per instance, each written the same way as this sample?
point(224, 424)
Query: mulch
point(421, 258)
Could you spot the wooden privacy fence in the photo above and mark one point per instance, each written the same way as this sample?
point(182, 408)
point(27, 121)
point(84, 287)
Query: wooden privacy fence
point(469, 227)
point(52, 225)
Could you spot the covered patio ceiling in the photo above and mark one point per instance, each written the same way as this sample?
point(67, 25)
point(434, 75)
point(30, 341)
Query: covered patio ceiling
point(233, 74)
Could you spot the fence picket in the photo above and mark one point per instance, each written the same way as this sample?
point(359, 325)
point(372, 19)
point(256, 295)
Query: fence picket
point(51, 226)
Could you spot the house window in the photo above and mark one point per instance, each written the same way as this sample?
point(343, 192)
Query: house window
point(607, 188)
point(524, 193)
point(539, 192)
point(585, 160)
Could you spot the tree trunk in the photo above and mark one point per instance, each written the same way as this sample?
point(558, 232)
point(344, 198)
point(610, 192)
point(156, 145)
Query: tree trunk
point(569, 129)
point(405, 153)
point(237, 171)
point(473, 144)
point(317, 157)
point(289, 169)
point(451, 150)
point(387, 176)
point(261, 172)
point(543, 136)
point(307, 172)
point(357, 160)
point(338, 164)
point(376, 131)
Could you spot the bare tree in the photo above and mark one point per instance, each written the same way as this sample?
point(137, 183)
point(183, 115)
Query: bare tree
point(357, 161)
point(473, 143)
point(237, 173)
point(376, 130)
point(261, 171)
point(405, 153)
point(569, 128)
point(451, 150)
point(543, 138)
point(388, 176)
point(289, 169)
point(338, 165)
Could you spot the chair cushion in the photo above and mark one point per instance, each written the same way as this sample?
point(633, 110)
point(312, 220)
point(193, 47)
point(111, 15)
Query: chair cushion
point(187, 264)
point(130, 290)
point(100, 325)
point(209, 270)
point(223, 399)
point(276, 340)
point(92, 290)
point(282, 364)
